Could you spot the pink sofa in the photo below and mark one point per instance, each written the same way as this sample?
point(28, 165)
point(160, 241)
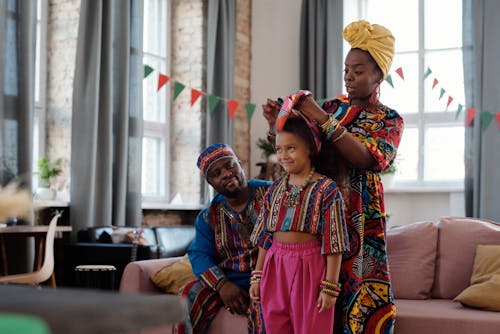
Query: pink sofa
point(430, 264)
point(135, 279)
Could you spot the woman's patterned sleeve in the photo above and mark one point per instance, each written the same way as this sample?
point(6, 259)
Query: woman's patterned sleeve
point(384, 135)
point(335, 238)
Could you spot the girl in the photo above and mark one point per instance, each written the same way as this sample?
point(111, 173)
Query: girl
point(301, 235)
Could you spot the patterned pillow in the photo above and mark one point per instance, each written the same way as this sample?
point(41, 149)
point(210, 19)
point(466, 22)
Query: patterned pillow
point(173, 277)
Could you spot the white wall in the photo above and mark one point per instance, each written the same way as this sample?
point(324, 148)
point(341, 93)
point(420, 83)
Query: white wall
point(274, 72)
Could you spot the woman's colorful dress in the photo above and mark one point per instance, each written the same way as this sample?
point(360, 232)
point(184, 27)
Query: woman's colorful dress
point(367, 299)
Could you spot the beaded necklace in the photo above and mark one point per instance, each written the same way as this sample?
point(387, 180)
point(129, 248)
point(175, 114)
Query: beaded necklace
point(293, 196)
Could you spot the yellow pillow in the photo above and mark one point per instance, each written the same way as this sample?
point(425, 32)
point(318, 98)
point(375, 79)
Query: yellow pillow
point(173, 277)
point(484, 291)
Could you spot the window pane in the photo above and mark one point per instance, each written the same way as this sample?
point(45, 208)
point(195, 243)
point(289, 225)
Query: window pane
point(443, 24)
point(403, 96)
point(407, 158)
point(403, 27)
point(155, 27)
point(444, 153)
point(447, 68)
point(152, 156)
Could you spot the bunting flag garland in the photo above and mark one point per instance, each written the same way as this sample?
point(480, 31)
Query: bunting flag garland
point(434, 83)
point(147, 71)
point(400, 72)
point(441, 93)
point(459, 110)
point(486, 117)
point(212, 102)
point(162, 80)
point(195, 94)
point(471, 113)
point(232, 105)
point(178, 88)
point(389, 80)
point(450, 99)
point(427, 73)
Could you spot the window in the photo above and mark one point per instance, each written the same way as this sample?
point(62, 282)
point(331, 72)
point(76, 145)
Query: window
point(429, 51)
point(155, 107)
point(40, 86)
point(173, 45)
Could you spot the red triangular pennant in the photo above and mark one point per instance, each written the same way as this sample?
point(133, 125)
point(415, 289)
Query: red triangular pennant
point(195, 94)
point(232, 105)
point(400, 72)
point(434, 83)
point(471, 113)
point(450, 99)
point(498, 118)
point(162, 80)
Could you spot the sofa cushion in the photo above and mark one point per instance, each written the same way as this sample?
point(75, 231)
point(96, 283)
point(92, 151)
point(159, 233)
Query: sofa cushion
point(411, 250)
point(442, 316)
point(174, 276)
point(174, 240)
point(484, 291)
point(457, 242)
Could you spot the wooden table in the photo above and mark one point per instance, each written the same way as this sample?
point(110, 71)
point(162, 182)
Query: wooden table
point(39, 232)
point(83, 311)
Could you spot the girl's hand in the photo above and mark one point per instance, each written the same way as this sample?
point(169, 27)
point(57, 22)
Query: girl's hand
point(255, 292)
point(325, 302)
point(270, 111)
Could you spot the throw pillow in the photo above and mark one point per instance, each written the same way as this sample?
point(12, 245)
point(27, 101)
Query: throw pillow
point(411, 252)
point(173, 277)
point(457, 242)
point(126, 236)
point(484, 291)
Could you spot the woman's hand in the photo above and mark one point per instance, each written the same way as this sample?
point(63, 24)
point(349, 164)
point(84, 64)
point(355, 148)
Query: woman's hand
point(255, 292)
point(325, 302)
point(270, 112)
point(309, 108)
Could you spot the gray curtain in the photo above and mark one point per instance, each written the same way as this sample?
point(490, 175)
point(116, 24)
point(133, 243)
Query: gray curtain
point(17, 82)
point(482, 77)
point(221, 38)
point(321, 58)
point(107, 124)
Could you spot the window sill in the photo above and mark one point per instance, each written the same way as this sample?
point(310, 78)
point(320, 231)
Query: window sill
point(396, 189)
point(49, 204)
point(166, 206)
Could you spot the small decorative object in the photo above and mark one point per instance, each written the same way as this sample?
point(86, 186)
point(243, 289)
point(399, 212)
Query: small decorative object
point(15, 203)
point(47, 171)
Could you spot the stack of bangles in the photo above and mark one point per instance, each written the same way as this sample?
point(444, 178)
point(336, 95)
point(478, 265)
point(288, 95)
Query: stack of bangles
point(256, 277)
point(330, 288)
point(330, 126)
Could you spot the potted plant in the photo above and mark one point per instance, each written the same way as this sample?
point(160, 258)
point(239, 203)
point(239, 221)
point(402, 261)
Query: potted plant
point(47, 171)
point(267, 149)
point(389, 174)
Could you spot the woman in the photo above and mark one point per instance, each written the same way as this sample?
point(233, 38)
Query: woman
point(366, 135)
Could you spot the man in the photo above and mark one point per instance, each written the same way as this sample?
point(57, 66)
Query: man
point(221, 254)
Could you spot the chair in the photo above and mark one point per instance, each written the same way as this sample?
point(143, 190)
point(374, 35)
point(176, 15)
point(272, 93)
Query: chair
point(47, 268)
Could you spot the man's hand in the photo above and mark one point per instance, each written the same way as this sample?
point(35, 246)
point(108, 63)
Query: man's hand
point(235, 298)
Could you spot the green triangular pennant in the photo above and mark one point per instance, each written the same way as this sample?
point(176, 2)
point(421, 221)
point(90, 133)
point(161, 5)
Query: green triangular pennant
point(427, 73)
point(212, 102)
point(459, 110)
point(441, 93)
point(389, 80)
point(147, 70)
point(486, 118)
point(250, 109)
point(178, 88)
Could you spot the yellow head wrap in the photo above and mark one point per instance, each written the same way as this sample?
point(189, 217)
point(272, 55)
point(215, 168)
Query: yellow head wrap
point(375, 39)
